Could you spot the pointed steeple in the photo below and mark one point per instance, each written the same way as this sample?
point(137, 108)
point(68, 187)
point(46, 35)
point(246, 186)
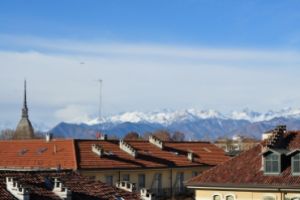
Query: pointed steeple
point(25, 108)
point(24, 129)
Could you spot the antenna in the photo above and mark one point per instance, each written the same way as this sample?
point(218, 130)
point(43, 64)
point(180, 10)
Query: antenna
point(100, 105)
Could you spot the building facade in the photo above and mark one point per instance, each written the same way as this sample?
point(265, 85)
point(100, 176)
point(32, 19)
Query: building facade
point(269, 171)
point(161, 167)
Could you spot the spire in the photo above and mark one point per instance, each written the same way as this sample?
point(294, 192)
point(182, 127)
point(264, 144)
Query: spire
point(25, 109)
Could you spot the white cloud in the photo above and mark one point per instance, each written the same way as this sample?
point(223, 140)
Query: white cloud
point(73, 113)
point(143, 77)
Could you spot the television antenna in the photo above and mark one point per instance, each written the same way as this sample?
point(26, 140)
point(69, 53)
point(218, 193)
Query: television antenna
point(100, 105)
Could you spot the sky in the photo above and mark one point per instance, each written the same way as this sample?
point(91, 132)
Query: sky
point(151, 55)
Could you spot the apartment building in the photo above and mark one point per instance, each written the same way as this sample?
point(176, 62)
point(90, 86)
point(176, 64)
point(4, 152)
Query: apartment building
point(161, 167)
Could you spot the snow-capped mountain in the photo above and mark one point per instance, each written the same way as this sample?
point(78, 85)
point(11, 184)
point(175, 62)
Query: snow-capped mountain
point(196, 124)
point(253, 116)
point(167, 117)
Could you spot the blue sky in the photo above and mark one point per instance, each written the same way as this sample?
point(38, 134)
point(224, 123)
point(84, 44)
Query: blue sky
point(178, 54)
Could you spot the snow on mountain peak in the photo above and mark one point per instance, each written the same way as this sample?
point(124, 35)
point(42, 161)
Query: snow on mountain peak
point(166, 117)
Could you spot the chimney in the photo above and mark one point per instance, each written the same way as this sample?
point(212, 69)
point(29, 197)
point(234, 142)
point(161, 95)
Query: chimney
point(48, 137)
point(145, 194)
point(190, 156)
point(97, 149)
point(276, 140)
point(127, 148)
point(125, 185)
point(16, 189)
point(61, 191)
point(101, 136)
point(156, 141)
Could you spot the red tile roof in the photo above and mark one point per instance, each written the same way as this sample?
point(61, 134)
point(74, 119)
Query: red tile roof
point(82, 188)
point(37, 154)
point(246, 169)
point(174, 154)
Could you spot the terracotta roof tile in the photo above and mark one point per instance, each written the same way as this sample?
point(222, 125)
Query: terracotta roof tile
point(38, 154)
point(245, 169)
point(174, 154)
point(82, 188)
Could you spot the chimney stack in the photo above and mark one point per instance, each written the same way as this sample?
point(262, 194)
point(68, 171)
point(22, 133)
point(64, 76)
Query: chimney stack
point(61, 191)
point(48, 137)
point(16, 189)
point(190, 156)
point(156, 141)
point(97, 149)
point(127, 148)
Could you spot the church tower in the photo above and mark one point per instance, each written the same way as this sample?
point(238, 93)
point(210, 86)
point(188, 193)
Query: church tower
point(24, 129)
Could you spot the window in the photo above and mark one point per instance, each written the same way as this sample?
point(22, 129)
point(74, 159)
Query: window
point(181, 180)
point(296, 164)
point(272, 163)
point(179, 186)
point(216, 197)
point(125, 177)
point(109, 180)
point(141, 180)
point(157, 183)
point(229, 197)
point(269, 198)
point(194, 174)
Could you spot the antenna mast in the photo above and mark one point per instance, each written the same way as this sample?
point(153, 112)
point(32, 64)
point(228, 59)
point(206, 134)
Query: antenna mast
point(100, 105)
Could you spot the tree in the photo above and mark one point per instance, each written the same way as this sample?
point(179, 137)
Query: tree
point(131, 136)
point(163, 135)
point(178, 136)
point(7, 134)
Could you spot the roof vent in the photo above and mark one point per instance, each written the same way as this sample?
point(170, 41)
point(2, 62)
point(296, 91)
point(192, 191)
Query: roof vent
point(156, 141)
point(127, 148)
point(145, 194)
point(190, 156)
point(16, 189)
point(61, 191)
point(97, 149)
point(125, 185)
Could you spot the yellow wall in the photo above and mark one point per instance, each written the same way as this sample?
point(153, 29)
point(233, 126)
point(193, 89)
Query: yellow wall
point(149, 175)
point(239, 195)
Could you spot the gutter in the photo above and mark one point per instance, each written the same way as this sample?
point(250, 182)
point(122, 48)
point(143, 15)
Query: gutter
point(247, 188)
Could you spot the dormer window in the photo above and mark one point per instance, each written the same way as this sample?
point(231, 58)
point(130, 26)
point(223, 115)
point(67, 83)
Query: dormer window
point(296, 164)
point(272, 163)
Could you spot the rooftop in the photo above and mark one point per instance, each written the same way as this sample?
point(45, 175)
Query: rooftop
point(37, 154)
point(83, 188)
point(246, 169)
point(174, 154)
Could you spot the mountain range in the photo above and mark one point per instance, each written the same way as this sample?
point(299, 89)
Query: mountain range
point(195, 124)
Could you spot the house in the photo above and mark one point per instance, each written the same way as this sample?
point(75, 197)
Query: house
point(236, 145)
point(268, 171)
point(159, 166)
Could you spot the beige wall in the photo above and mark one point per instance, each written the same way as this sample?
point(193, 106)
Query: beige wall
point(149, 175)
point(208, 195)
